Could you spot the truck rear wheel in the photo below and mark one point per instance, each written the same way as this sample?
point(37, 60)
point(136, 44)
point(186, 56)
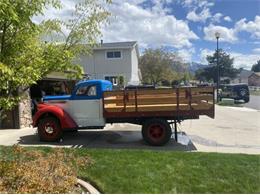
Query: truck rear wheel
point(49, 129)
point(156, 132)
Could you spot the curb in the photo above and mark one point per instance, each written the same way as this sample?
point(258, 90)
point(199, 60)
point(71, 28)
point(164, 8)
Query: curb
point(88, 186)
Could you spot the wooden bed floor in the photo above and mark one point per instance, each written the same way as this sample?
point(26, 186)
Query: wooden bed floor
point(157, 107)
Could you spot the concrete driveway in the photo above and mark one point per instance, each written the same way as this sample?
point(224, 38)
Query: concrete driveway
point(118, 136)
point(234, 130)
point(254, 102)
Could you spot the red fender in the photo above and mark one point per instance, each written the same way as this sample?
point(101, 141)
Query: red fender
point(65, 120)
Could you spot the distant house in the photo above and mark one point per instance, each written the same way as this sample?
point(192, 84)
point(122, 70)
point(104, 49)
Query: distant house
point(254, 79)
point(109, 61)
point(242, 77)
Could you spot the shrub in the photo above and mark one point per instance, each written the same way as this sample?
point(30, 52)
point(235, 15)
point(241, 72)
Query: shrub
point(30, 171)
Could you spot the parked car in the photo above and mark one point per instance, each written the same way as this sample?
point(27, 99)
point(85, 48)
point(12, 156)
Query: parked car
point(235, 91)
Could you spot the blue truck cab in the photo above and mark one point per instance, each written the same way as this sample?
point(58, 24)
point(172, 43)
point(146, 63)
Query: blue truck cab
point(84, 105)
point(84, 90)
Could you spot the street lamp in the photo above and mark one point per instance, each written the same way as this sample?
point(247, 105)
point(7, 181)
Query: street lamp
point(217, 35)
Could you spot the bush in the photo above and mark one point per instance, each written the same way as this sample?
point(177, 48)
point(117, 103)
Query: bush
point(30, 171)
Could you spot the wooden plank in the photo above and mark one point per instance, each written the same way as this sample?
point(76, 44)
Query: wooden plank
point(202, 106)
point(111, 101)
point(113, 93)
point(152, 100)
point(204, 89)
point(164, 100)
point(156, 95)
point(202, 97)
point(136, 108)
point(155, 91)
point(159, 91)
point(183, 90)
point(149, 108)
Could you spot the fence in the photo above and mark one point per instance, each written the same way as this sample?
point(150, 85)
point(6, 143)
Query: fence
point(254, 88)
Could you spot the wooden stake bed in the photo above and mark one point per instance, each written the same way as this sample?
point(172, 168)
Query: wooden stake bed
point(186, 102)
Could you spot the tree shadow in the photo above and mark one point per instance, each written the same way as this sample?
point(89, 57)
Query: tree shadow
point(127, 139)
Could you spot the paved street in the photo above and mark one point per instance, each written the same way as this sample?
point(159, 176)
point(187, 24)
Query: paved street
point(254, 102)
point(234, 130)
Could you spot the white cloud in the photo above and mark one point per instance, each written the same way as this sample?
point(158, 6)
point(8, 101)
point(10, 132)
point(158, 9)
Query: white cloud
point(228, 19)
point(257, 50)
point(200, 17)
point(252, 27)
point(65, 13)
point(216, 18)
point(198, 9)
point(186, 54)
point(151, 27)
point(226, 34)
point(240, 60)
point(231, 34)
point(203, 55)
point(244, 60)
point(196, 3)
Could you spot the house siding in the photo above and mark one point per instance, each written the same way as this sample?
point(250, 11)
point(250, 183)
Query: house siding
point(98, 66)
point(134, 76)
point(254, 80)
point(112, 67)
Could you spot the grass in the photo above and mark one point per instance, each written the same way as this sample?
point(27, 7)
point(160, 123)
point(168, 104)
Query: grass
point(144, 171)
point(252, 92)
point(223, 103)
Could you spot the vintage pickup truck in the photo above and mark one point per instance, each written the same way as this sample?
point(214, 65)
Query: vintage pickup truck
point(93, 104)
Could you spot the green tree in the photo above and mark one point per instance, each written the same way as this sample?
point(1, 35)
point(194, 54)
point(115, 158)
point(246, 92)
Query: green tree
point(256, 66)
point(226, 68)
point(26, 57)
point(155, 65)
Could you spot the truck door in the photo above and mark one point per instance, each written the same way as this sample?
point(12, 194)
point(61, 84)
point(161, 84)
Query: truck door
point(86, 105)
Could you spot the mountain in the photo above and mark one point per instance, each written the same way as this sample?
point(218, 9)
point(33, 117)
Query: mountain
point(193, 66)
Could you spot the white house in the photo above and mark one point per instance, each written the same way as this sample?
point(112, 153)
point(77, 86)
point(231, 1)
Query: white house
point(242, 77)
point(111, 60)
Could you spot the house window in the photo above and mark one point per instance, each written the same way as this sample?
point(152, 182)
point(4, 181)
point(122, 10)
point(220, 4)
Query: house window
point(112, 79)
point(113, 54)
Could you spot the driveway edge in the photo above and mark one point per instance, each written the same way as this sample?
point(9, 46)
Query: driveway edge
point(91, 189)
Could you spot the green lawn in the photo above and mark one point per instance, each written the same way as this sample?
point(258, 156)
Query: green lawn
point(257, 93)
point(222, 103)
point(138, 171)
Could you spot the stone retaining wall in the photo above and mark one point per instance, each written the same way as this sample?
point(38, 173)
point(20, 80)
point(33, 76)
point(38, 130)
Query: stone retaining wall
point(25, 115)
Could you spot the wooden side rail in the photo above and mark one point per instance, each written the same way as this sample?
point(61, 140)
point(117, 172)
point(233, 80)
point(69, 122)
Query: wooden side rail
point(154, 100)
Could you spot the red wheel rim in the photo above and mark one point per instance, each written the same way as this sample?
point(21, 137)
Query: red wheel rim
point(156, 132)
point(50, 129)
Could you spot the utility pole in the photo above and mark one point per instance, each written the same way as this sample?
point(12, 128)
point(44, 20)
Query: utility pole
point(217, 34)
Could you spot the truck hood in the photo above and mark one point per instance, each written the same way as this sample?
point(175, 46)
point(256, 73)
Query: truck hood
point(56, 97)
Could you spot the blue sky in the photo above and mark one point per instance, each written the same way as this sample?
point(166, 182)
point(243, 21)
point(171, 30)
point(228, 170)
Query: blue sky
point(185, 26)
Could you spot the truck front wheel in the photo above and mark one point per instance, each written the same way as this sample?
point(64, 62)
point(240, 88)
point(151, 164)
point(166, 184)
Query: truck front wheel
point(156, 132)
point(49, 129)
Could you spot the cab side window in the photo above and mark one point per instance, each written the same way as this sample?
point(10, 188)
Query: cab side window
point(87, 91)
point(92, 91)
point(82, 91)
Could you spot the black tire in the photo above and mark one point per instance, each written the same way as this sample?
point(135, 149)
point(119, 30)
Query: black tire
point(156, 132)
point(246, 99)
point(243, 93)
point(49, 129)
